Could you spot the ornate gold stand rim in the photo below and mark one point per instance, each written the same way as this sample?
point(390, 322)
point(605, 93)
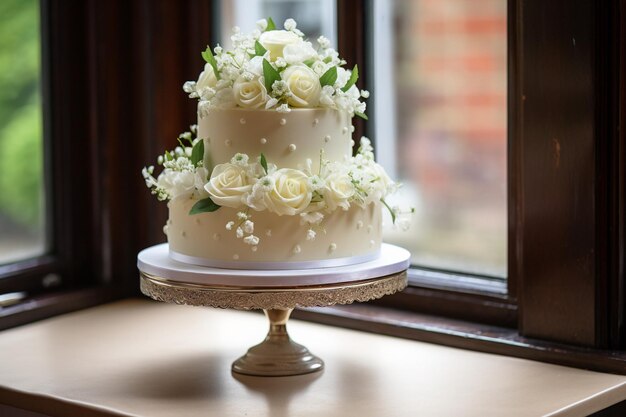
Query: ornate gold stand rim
point(248, 298)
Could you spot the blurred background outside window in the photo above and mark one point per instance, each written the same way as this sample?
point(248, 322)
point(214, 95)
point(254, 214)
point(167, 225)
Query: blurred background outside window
point(314, 17)
point(22, 224)
point(440, 91)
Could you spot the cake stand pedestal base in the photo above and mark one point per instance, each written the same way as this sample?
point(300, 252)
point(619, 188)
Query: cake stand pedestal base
point(277, 355)
point(277, 293)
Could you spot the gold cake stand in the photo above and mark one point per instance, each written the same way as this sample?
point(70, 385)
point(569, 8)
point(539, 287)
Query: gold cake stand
point(277, 355)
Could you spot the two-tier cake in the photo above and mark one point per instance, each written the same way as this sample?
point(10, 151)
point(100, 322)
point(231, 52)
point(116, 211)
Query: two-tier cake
point(268, 178)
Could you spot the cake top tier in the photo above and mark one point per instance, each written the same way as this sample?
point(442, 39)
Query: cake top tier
point(276, 69)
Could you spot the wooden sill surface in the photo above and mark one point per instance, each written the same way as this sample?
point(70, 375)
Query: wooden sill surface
point(137, 357)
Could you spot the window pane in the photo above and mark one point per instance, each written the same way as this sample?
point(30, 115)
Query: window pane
point(314, 17)
point(440, 111)
point(22, 228)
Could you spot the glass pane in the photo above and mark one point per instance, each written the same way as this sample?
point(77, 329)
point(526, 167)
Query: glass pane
point(314, 17)
point(440, 92)
point(22, 228)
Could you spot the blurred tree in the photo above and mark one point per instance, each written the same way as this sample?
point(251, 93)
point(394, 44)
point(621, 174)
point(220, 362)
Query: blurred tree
point(20, 113)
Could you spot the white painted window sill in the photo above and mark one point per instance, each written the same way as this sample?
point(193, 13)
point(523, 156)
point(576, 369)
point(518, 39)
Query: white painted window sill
point(137, 357)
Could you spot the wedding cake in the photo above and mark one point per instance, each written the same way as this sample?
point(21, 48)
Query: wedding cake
point(267, 179)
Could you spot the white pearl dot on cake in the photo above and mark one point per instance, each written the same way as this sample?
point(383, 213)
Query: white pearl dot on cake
point(352, 143)
point(165, 228)
point(372, 243)
point(263, 141)
point(235, 256)
point(292, 148)
point(297, 249)
point(283, 122)
point(316, 121)
point(242, 121)
point(332, 247)
point(352, 129)
point(344, 130)
point(369, 229)
point(228, 142)
point(359, 224)
point(216, 236)
point(268, 232)
point(254, 248)
point(327, 138)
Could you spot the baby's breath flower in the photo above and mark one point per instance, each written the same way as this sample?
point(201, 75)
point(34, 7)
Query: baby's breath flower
point(290, 24)
point(251, 240)
point(323, 42)
point(261, 24)
point(365, 93)
point(283, 108)
point(240, 159)
point(242, 216)
point(279, 88)
point(310, 234)
point(229, 225)
point(248, 226)
point(239, 232)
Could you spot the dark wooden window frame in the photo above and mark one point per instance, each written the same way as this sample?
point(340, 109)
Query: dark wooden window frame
point(113, 102)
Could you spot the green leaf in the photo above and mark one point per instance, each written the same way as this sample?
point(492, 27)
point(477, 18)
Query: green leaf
point(270, 24)
point(264, 163)
point(208, 57)
point(361, 115)
point(197, 153)
point(259, 50)
point(270, 75)
point(204, 206)
point(329, 77)
point(309, 62)
point(353, 77)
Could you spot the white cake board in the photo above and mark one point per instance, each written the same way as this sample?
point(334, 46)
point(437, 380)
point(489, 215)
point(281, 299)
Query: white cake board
point(155, 261)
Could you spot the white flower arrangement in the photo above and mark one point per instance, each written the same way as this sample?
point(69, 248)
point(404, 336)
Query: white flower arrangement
point(183, 171)
point(247, 185)
point(276, 69)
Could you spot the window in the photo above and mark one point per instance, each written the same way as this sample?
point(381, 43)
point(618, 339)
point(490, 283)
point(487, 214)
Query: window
point(439, 91)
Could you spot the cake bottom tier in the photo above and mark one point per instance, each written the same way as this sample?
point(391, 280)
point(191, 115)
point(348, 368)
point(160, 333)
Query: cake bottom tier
point(342, 238)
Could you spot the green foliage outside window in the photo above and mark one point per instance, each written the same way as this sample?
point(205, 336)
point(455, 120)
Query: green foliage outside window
point(20, 114)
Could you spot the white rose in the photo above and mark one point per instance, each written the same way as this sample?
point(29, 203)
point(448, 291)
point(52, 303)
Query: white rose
point(228, 185)
point(207, 79)
point(304, 85)
point(297, 53)
point(250, 94)
point(290, 193)
point(338, 191)
point(276, 40)
point(177, 183)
